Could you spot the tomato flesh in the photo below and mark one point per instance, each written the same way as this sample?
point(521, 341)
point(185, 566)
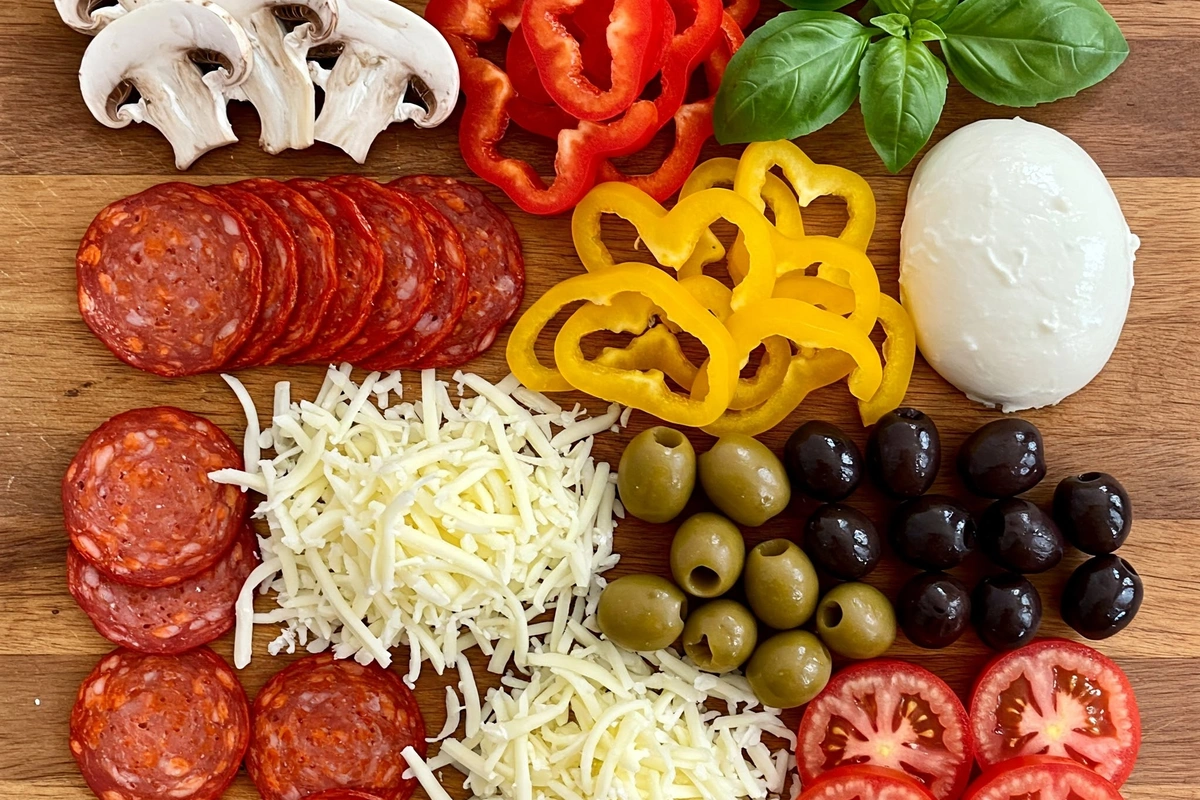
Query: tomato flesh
point(892, 715)
point(1057, 698)
point(864, 783)
point(1043, 778)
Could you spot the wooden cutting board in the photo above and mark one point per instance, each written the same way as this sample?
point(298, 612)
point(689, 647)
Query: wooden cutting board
point(1140, 420)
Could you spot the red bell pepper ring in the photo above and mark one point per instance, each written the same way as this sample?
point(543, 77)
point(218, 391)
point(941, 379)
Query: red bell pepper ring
point(532, 108)
point(743, 12)
point(590, 24)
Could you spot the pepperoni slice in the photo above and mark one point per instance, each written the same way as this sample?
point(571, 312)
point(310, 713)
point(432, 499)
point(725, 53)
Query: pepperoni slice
point(360, 271)
point(448, 301)
point(333, 724)
point(409, 259)
point(137, 501)
point(495, 266)
point(170, 619)
point(316, 268)
point(148, 727)
point(277, 247)
point(342, 794)
point(170, 280)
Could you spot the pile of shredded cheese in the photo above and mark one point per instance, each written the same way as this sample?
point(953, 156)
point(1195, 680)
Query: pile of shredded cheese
point(590, 721)
point(423, 523)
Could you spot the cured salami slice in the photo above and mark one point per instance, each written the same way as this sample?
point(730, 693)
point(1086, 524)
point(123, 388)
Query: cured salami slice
point(333, 724)
point(360, 270)
point(495, 266)
point(170, 619)
point(409, 259)
point(316, 269)
point(445, 306)
point(147, 727)
point(170, 280)
point(137, 501)
point(277, 247)
point(343, 794)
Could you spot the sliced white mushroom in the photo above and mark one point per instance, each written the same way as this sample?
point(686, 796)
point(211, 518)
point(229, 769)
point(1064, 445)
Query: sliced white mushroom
point(384, 49)
point(88, 16)
point(159, 50)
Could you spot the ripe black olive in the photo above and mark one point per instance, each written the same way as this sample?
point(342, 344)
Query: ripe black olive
point(822, 461)
point(1102, 597)
point(1003, 458)
point(1019, 536)
point(842, 542)
point(1094, 512)
point(904, 453)
point(934, 609)
point(932, 532)
point(1007, 611)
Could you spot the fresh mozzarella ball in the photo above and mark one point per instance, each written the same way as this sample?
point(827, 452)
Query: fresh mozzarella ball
point(1016, 263)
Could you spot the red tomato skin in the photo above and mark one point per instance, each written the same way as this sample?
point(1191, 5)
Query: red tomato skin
point(1119, 778)
point(877, 779)
point(885, 667)
point(1050, 765)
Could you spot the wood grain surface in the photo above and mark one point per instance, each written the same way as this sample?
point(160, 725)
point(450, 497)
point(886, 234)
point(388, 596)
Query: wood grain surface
point(1140, 419)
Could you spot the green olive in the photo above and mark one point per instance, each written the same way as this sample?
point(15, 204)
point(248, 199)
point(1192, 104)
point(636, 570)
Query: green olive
point(781, 584)
point(707, 555)
point(641, 612)
point(789, 669)
point(745, 480)
point(657, 474)
point(720, 636)
point(856, 621)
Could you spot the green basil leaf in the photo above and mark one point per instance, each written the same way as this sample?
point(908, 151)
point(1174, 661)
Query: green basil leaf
point(869, 11)
point(903, 93)
point(904, 7)
point(1025, 52)
point(895, 24)
point(924, 30)
point(794, 75)
point(936, 10)
point(818, 5)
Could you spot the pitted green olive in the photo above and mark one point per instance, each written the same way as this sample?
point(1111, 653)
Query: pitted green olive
point(744, 480)
point(657, 474)
point(720, 636)
point(707, 555)
point(789, 669)
point(781, 584)
point(856, 621)
point(641, 612)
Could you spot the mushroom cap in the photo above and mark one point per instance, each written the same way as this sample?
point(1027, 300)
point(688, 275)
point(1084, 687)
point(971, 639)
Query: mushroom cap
point(155, 39)
point(81, 17)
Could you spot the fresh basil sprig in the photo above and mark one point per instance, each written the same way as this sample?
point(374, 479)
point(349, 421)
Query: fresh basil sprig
point(802, 70)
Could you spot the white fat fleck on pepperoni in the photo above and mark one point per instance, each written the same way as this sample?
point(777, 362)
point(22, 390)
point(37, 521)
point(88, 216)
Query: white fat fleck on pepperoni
point(231, 225)
point(229, 328)
point(135, 319)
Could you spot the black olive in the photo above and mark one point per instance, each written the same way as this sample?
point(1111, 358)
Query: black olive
point(1019, 536)
point(932, 532)
point(1003, 458)
point(904, 453)
point(1102, 597)
point(1094, 512)
point(1007, 611)
point(842, 542)
point(934, 609)
point(822, 461)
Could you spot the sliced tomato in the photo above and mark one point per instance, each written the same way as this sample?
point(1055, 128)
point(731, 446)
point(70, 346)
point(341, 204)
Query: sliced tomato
point(1041, 777)
point(1057, 698)
point(864, 783)
point(893, 715)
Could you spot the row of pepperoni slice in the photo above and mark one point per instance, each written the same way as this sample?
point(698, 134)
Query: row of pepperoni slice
point(420, 273)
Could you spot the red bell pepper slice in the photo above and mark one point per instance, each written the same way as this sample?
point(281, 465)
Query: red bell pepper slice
point(590, 25)
point(743, 12)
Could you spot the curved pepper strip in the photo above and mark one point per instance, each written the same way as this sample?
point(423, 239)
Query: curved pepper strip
point(743, 12)
point(674, 236)
point(643, 389)
point(899, 355)
point(822, 293)
point(805, 375)
point(810, 181)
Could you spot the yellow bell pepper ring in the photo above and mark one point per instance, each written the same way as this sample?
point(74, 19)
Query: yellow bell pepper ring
point(899, 355)
point(805, 375)
point(810, 181)
point(820, 292)
point(657, 348)
point(776, 194)
point(840, 263)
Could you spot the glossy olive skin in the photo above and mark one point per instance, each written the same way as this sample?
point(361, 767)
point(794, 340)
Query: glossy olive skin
point(1007, 611)
point(656, 474)
point(904, 453)
point(641, 612)
point(842, 542)
point(934, 610)
point(1094, 512)
point(932, 532)
point(781, 584)
point(1003, 458)
point(1017, 535)
point(720, 636)
point(789, 669)
point(707, 555)
point(744, 480)
point(822, 461)
point(1102, 597)
point(856, 621)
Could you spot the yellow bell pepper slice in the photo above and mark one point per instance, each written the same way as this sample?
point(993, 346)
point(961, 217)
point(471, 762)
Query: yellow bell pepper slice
point(820, 292)
point(776, 194)
point(899, 355)
point(805, 375)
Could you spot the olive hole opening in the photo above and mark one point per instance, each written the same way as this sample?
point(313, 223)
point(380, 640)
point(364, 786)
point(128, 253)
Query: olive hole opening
point(705, 578)
point(773, 548)
point(702, 651)
point(1088, 477)
point(668, 437)
point(831, 615)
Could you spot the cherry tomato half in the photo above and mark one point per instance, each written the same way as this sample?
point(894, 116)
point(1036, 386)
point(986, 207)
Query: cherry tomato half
point(1057, 698)
point(889, 714)
point(864, 783)
point(1043, 777)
